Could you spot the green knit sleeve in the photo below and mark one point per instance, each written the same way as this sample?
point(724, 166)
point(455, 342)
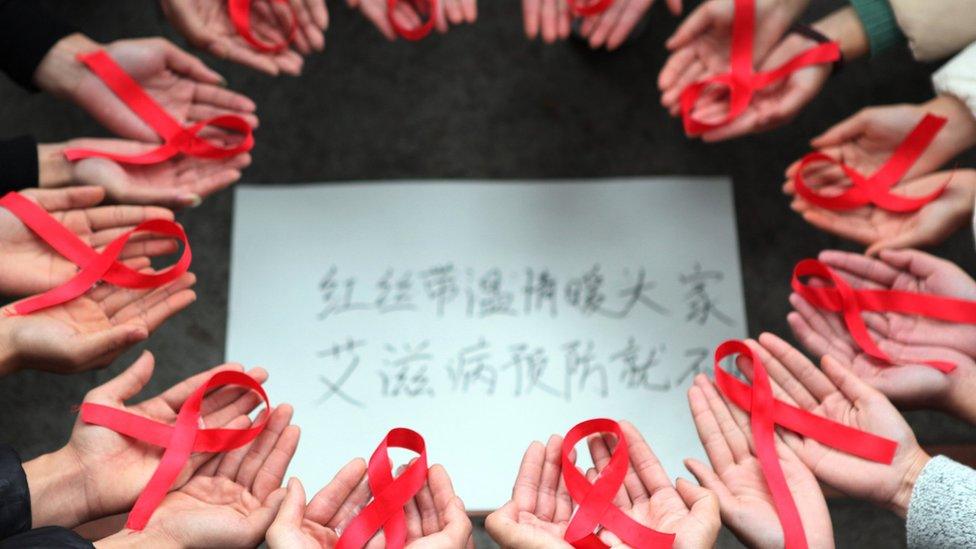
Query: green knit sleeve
point(879, 22)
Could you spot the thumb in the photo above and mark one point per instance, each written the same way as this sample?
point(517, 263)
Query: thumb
point(696, 496)
point(261, 518)
point(674, 6)
point(292, 509)
point(908, 239)
point(127, 384)
point(457, 525)
point(88, 347)
point(169, 197)
point(842, 132)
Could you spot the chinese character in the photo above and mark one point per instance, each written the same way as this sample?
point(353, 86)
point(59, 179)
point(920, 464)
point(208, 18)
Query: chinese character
point(586, 293)
point(494, 300)
point(341, 353)
point(539, 290)
point(407, 373)
point(636, 372)
point(582, 362)
point(701, 305)
point(395, 295)
point(636, 294)
point(440, 284)
point(472, 367)
point(338, 300)
point(699, 365)
point(530, 366)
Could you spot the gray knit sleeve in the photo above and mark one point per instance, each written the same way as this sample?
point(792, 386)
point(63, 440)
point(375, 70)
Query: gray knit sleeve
point(942, 512)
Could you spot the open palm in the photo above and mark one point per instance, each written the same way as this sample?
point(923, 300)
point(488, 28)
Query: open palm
point(182, 85)
point(907, 339)
point(29, 265)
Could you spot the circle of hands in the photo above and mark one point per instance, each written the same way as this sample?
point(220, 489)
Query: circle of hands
point(94, 329)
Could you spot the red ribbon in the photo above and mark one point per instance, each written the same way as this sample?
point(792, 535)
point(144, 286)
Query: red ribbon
point(176, 138)
point(179, 440)
point(596, 500)
point(422, 7)
point(766, 412)
point(877, 188)
point(743, 81)
point(240, 15)
point(842, 298)
point(93, 266)
point(581, 8)
point(389, 494)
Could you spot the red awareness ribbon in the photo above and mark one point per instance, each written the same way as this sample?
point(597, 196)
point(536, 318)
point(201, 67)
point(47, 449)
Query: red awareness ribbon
point(176, 138)
point(426, 8)
point(842, 298)
point(743, 81)
point(93, 266)
point(877, 188)
point(582, 8)
point(596, 500)
point(389, 494)
point(767, 412)
point(179, 440)
point(240, 15)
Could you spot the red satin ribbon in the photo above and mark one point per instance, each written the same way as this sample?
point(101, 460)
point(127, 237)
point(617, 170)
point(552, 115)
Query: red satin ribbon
point(389, 494)
point(842, 298)
point(176, 138)
point(766, 412)
point(582, 8)
point(179, 440)
point(743, 81)
point(93, 266)
point(240, 15)
point(877, 188)
point(596, 500)
point(422, 7)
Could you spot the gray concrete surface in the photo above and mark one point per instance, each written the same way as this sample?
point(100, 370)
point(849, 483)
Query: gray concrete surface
point(481, 102)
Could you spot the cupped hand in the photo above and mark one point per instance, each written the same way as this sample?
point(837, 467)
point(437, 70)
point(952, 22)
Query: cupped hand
point(612, 27)
point(410, 16)
point(737, 479)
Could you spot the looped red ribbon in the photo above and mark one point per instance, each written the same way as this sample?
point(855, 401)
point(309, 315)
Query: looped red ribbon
point(766, 412)
point(176, 138)
point(842, 298)
point(179, 440)
point(94, 266)
point(389, 494)
point(426, 8)
point(240, 16)
point(877, 188)
point(583, 8)
point(743, 81)
point(596, 500)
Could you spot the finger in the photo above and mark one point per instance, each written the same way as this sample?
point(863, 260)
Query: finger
point(868, 268)
point(82, 349)
point(292, 509)
point(70, 198)
point(240, 53)
point(815, 384)
point(226, 403)
point(188, 65)
point(737, 441)
point(629, 18)
point(127, 384)
point(152, 317)
point(224, 99)
point(326, 503)
point(716, 446)
point(264, 445)
point(429, 521)
point(647, 466)
point(919, 264)
point(415, 526)
point(695, 25)
point(205, 464)
point(545, 506)
point(852, 387)
point(175, 396)
point(601, 458)
point(125, 305)
point(200, 113)
point(110, 217)
point(525, 492)
point(531, 12)
point(815, 343)
point(826, 323)
point(230, 464)
point(707, 478)
point(846, 130)
point(549, 16)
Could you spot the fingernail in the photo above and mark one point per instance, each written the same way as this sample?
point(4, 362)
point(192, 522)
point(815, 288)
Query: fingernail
point(191, 200)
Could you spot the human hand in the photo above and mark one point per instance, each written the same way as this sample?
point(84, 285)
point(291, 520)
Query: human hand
point(837, 394)
point(231, 500)
point(178, 182)
point(206, 24)
point(880, 229)
point(611, 28)
point(906, 383)
point(689, 511)
point(29, 265)
point(101, 472)
point(408, 16)
point(181, 84)
point(549, 19)
point(435, 517)
point(736, 476)
point(701, 46)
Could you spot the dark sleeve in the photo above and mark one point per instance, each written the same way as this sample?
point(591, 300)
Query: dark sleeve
point(49, 536)
point(27, 33)
point(18, 163)
point(15, 508)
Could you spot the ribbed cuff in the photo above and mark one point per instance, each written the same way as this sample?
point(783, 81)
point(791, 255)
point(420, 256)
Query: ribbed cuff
point(18, 163)
point(15, 508)
point(878, 20)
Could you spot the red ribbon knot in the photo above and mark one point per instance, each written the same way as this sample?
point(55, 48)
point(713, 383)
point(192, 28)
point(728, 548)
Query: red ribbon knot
point(390, 494)
point(240, 16)
point(596, 500)
point(584, 8)
point(425, 8)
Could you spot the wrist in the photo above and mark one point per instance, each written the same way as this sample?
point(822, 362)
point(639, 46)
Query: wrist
point(960, 125)
point(57, 490)
point(60, 71)
point(137, 538)
point(903, 496)
point(843, 27)
point(960, 401)
point(53, 169)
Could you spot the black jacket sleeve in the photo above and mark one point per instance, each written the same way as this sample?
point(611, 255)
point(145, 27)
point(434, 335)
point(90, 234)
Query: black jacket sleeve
point(27, 33)
point(18, 164)
point(15, 508)
point(49, 536)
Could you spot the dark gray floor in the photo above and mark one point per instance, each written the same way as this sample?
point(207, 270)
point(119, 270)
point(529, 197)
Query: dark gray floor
point(481, 102)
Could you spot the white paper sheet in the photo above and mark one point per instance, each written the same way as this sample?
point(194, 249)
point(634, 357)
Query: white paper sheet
point(483, 314)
